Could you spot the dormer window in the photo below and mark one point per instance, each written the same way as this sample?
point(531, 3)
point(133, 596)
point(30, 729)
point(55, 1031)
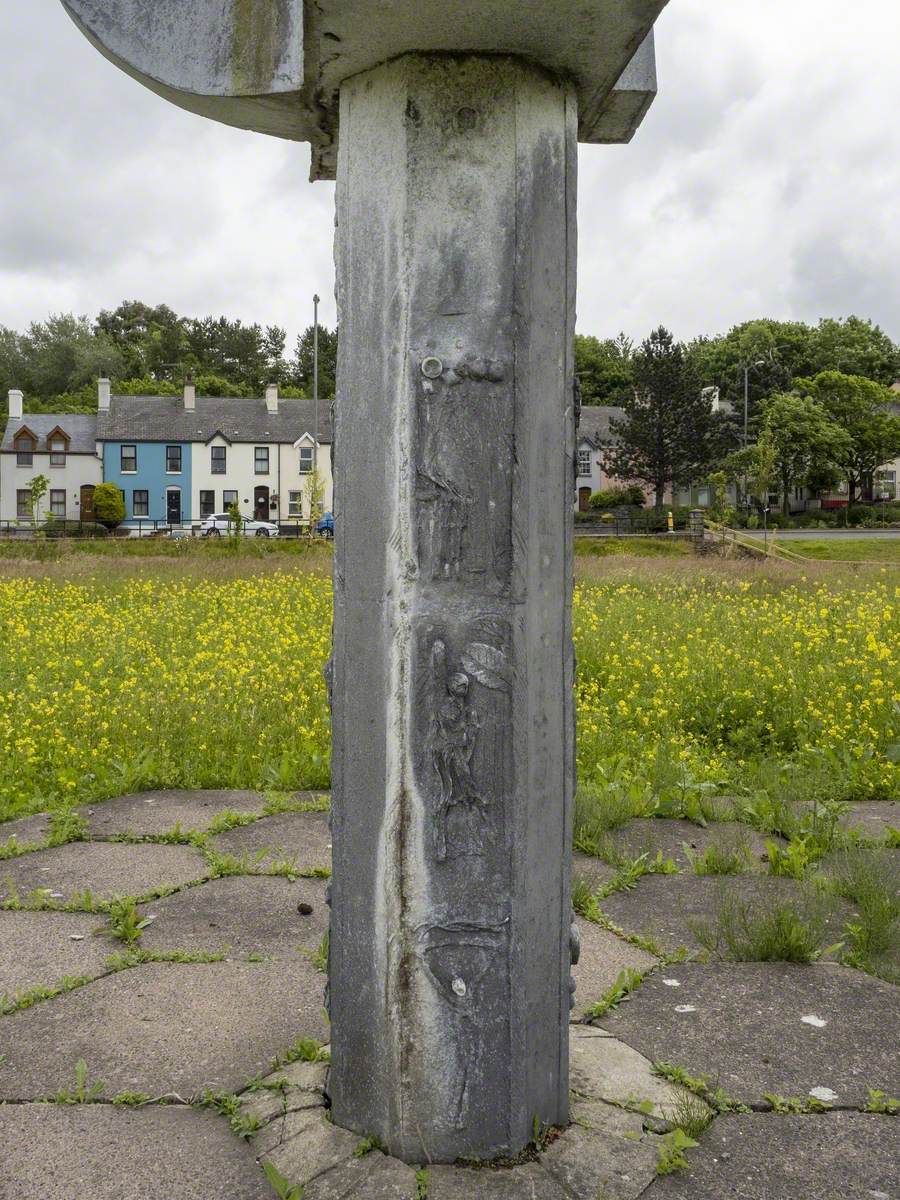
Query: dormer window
point(307, 460)
point(58, 445)
point(25, 444)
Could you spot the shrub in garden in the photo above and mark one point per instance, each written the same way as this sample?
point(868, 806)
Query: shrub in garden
point(109, 507)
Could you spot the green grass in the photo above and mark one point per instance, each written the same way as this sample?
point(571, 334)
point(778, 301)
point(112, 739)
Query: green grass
point(872, 549)
point(765, 930)
point(637, 547)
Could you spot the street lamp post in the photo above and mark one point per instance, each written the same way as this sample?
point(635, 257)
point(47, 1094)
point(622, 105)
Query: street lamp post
point(316, 370)
point(760, 362)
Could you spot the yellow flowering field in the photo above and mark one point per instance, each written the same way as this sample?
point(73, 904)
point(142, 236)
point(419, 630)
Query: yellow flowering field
point(162, 679)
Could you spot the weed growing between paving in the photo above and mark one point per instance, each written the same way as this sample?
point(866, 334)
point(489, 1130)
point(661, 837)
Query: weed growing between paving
point(766, 929)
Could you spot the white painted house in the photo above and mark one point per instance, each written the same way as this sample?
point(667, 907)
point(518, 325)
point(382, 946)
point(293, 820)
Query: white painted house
point(61, 446)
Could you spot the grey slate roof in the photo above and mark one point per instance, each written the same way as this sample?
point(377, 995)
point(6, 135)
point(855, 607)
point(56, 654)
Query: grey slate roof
point(164, 419)
point(81, 428)
point(594, 426)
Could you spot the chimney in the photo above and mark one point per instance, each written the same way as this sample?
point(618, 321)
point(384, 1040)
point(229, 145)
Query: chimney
point(272, 398)
point(16, 400)
point(103, 395)
point(190, 394)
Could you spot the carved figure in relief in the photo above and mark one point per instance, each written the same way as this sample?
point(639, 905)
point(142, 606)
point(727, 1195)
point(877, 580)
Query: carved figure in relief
point(466, 962)
point(454, 729)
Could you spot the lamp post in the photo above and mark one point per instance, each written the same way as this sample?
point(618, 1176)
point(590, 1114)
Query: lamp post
point(316, 370)
point(760, 362)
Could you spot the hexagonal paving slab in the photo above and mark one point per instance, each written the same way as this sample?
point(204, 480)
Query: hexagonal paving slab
point(150, 813)
point(97, 1152)
point(679, 840)
point(38, 949)
point(603, 957)
point(667, 908)
point(104, 869)
point(163, 1027)
point(27, 831)
point(833, 1157)
point(303, 839)
point(243, 914)
point(758, 1028)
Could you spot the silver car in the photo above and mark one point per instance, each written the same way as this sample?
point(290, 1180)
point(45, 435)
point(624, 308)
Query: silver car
point(221, 524)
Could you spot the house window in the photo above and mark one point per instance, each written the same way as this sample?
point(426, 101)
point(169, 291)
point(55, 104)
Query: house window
point(128, 460)
point(58, 502)
point(217, 459)
point(229, 498)
point(207, 504)
point(295, 504)
point(25, 448)
point(584, 462)
point(173, 460)
point(140, 502)
point(307, 459)
point(57, 452)
point(23, 502)
point(261, 460)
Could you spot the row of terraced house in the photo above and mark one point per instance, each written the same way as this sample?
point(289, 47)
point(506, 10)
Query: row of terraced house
point(176, 459)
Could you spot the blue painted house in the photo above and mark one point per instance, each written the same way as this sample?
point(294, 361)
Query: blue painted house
point(151, 469)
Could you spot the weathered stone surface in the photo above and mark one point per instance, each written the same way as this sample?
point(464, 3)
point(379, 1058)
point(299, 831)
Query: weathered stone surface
point(667, 908)
point(528, 1182)
point(603, 957)
point(604, 1068)
point(453, 661)
point(650, 835)
point(373, 1177)
point(762, 1157)
point(871, 819)
point(278, 68)
point(39, 949)
point(245, 914)
point(301, 838)
point(27, 831)
point(97, 1152)
point(105, 869)
point(163, 1027)
point(589, 1164)
point(743, 1024)
point(150, 813)
point(304, 1145)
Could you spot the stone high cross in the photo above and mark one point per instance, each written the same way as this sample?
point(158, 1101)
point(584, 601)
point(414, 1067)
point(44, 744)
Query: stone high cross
point(452, 129)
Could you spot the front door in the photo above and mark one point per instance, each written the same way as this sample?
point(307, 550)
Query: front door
point(87, 502)
point(261, 504)
point(173, 506)
point(584, 499)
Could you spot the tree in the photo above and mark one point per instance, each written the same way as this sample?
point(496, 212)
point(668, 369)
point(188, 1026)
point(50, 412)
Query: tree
point(669, 433)
point(862, 409)
point(855, 347)
point(109, 505)
point(63, 354)
point(805, 441)
point(755, 469)
point(303, 361)
point(38, 488)
point(605, 369)
point(315, 497)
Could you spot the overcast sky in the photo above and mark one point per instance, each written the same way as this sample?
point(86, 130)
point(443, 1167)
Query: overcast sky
point(765, 181)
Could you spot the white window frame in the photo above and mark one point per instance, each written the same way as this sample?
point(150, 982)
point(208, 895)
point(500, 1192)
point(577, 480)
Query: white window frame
point(57, 492)
point(295, 504)
point(585, 459)
point(311, 451)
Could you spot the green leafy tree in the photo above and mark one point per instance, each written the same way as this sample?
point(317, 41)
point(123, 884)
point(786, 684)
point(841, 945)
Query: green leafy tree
point(855, 346)
point(862, 408)
point(38, 487)
point(63, 354)
point(303, 361)
point(755, 469)
point(805, 439)
point(109, 505)
point(315, 498)
point(668, 433)
point(605, 368)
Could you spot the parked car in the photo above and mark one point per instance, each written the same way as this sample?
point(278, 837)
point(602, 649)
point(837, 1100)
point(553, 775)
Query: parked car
point(325, 527)
point(221, 523)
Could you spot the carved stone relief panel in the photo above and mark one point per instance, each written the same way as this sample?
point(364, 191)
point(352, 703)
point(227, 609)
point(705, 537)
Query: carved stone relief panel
point(465, 423)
